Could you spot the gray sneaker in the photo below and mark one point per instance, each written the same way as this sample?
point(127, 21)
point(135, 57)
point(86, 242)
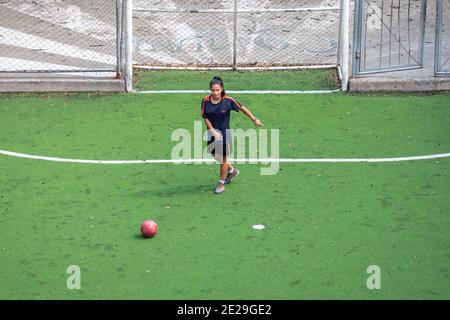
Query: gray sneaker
point(220, 188)
point(230, 176)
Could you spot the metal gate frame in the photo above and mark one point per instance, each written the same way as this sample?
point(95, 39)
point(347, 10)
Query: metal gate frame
point(359, 42)
point(439, 69)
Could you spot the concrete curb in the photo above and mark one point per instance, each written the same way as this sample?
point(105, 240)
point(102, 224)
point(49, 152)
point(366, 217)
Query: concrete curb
point(383, 84)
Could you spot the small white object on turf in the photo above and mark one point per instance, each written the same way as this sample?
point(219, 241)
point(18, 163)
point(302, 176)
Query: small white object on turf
point(258, 226)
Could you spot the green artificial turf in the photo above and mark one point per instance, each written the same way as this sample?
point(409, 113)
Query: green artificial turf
point(325, 222)
point(314, 79)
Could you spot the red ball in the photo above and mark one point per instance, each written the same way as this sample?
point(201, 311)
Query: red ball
point(149, 228)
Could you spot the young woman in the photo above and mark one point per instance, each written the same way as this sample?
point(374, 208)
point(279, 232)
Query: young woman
point(216, 112)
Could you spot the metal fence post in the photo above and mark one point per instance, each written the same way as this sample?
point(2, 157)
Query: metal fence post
point(118, 20)
point(438, 41)
point(356, 38)
point(235, 36)
point(423, 17)
point(344, 43)
point(128, 45)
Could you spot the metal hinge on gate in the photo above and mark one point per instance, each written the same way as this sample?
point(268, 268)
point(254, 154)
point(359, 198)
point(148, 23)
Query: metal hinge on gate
point(358, 55)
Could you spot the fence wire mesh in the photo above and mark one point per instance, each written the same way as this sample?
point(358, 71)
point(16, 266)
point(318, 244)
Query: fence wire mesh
point(59, 36)
point(238, 33)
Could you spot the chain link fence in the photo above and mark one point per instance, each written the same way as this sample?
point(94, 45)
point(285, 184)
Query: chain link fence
point(87, 36)
point(60, 36)
point(235, 33)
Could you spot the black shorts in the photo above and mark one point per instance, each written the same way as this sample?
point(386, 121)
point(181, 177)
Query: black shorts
point(221, 148)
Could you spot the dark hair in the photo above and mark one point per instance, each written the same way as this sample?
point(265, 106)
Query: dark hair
point(217, 80)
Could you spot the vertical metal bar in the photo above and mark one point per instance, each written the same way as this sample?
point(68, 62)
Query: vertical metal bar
point(437, 48)
point(344, 43)
point(117, 39)
point(399, 34)
point(381, 37)
point(409, 31)
point(128, 45)
point(235, 36)
point(362, 34)
point(366, 18)
point(340, 35)
point(356, 67)
point(423, 16)
point(390, 32)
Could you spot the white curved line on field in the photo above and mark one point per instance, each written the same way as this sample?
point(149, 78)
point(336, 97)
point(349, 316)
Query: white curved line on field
point(206, 160)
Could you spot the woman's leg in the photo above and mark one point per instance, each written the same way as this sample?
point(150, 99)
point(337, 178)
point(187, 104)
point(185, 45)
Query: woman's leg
point(228, 149)
point(225, 176)
point(226, 169)
point(222, 174)
point(223, 168)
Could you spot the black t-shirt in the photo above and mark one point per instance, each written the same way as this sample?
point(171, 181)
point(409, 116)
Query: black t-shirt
point(219, 114)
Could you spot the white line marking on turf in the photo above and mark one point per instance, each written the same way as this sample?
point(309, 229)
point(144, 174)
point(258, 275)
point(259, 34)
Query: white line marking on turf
point(244, 91)
point(188, 161)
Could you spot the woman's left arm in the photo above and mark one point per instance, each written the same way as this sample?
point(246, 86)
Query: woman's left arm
point(248, 113)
